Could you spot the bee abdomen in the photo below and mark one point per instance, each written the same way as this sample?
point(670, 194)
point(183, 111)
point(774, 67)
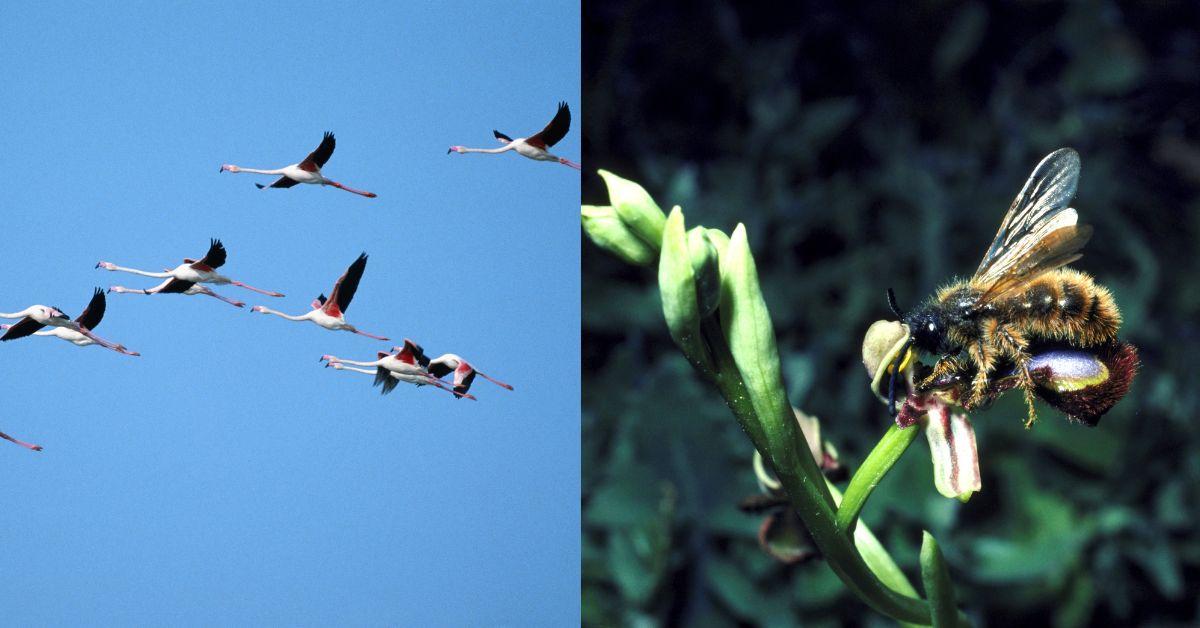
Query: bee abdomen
point(1066, 305)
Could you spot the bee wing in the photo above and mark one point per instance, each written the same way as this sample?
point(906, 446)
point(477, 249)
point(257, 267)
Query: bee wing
point(1039, 233)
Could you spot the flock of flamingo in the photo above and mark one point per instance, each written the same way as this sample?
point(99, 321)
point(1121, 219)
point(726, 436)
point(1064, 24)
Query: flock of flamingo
point(407, 363)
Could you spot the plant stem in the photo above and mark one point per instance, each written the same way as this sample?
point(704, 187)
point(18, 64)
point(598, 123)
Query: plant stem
point(881, 459)
point(815, 507)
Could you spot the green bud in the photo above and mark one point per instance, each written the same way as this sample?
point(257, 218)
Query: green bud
point(677, 285)
point(751, 337)
point(608, 232)
point(637, 210)
point(707, 270)
point(938, 588)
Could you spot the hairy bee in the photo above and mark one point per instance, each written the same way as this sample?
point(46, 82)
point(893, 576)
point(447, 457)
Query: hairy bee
point(1021, 299)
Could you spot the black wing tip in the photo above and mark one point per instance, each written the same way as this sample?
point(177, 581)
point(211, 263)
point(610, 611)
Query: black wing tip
point(562, 105)
point(260, 186)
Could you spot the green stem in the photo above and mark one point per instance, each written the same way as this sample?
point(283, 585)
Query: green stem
point(814, 506)
point(881, 459)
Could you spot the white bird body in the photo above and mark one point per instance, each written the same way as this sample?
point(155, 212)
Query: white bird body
point(307, 171)
point(192, 271)
point(78, 332)
point(534, 147)
point(330, 312)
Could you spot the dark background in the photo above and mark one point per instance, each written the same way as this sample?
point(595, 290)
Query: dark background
point(880, 146)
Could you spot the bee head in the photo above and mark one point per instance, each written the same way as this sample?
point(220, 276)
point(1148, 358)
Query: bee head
point(928, 326)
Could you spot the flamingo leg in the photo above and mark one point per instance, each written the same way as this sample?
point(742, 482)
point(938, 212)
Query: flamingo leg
point(494, 381)
point(351, 190)
point(363, 333)
point(258, 290)
point(569, 163)
point(20, 442)
point(227, 300)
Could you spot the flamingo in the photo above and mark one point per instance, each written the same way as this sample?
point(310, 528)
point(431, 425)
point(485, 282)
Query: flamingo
point(391, 378)
point(464, 373)
point(35, 317)
point(307, 171)
point(89, 319)
point(405, 364)
point(20, 442)
point(176, 286)
point(330, 313)
point(196, 271)
point(535, 146)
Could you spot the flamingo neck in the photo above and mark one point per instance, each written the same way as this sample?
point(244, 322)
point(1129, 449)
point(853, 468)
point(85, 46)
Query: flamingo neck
point(135, 271)
point(257, 171)
point(22, 314)
point(508, 147)
point(302, 317)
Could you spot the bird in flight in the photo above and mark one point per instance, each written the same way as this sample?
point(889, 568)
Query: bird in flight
point(535, 146)
point(35, 317)
point(88, 319)
point(203, 270)
point(307, 171)
point(464, 373)
point(330, 313)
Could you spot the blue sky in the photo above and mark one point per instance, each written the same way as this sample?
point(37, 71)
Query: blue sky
point(225, 477)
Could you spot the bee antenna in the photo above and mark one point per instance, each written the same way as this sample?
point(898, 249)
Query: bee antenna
point(891, 297)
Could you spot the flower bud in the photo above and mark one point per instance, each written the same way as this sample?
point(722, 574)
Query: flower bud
point(751, 336)
point(636, 209)
point(677, 286)
point(706, 268)
point(605, 228)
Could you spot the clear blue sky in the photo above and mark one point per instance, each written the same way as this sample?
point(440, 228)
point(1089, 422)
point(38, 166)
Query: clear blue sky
point(225, 477)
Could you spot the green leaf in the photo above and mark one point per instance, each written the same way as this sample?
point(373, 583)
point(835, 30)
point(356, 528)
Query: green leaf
point(605, 228)
point(636, 209)
point(936, 578)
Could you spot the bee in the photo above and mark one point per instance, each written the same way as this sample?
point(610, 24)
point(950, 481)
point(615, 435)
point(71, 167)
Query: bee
point(1021, 298)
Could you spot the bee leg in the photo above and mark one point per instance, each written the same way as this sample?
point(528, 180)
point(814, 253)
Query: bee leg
point(984, 360)
point(944, 366)
point(1012, 344)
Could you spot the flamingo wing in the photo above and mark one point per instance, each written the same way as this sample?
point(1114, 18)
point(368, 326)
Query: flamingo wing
point(439, 368)
point(346, 286)
point(318, 157)
point(555, 131)
point(24, 327)
point(282, 182)
point(214, 258)
point(176, 286)
point(412, 353)
point(384, 376)
point(91, 315)
point(463, 376)
point(502, 137)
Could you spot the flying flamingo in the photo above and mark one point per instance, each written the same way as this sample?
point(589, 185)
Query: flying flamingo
point(535, 146)
point(176, 286)
point(464, 373)
point(89, 319)
point(391, 378)
point(20, 442)
point(330, 313)
point(196, 271)
point(35, 317)
point(406, 364)
point(307, 171)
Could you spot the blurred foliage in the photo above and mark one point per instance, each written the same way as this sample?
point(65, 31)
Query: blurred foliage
point(873, 146)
